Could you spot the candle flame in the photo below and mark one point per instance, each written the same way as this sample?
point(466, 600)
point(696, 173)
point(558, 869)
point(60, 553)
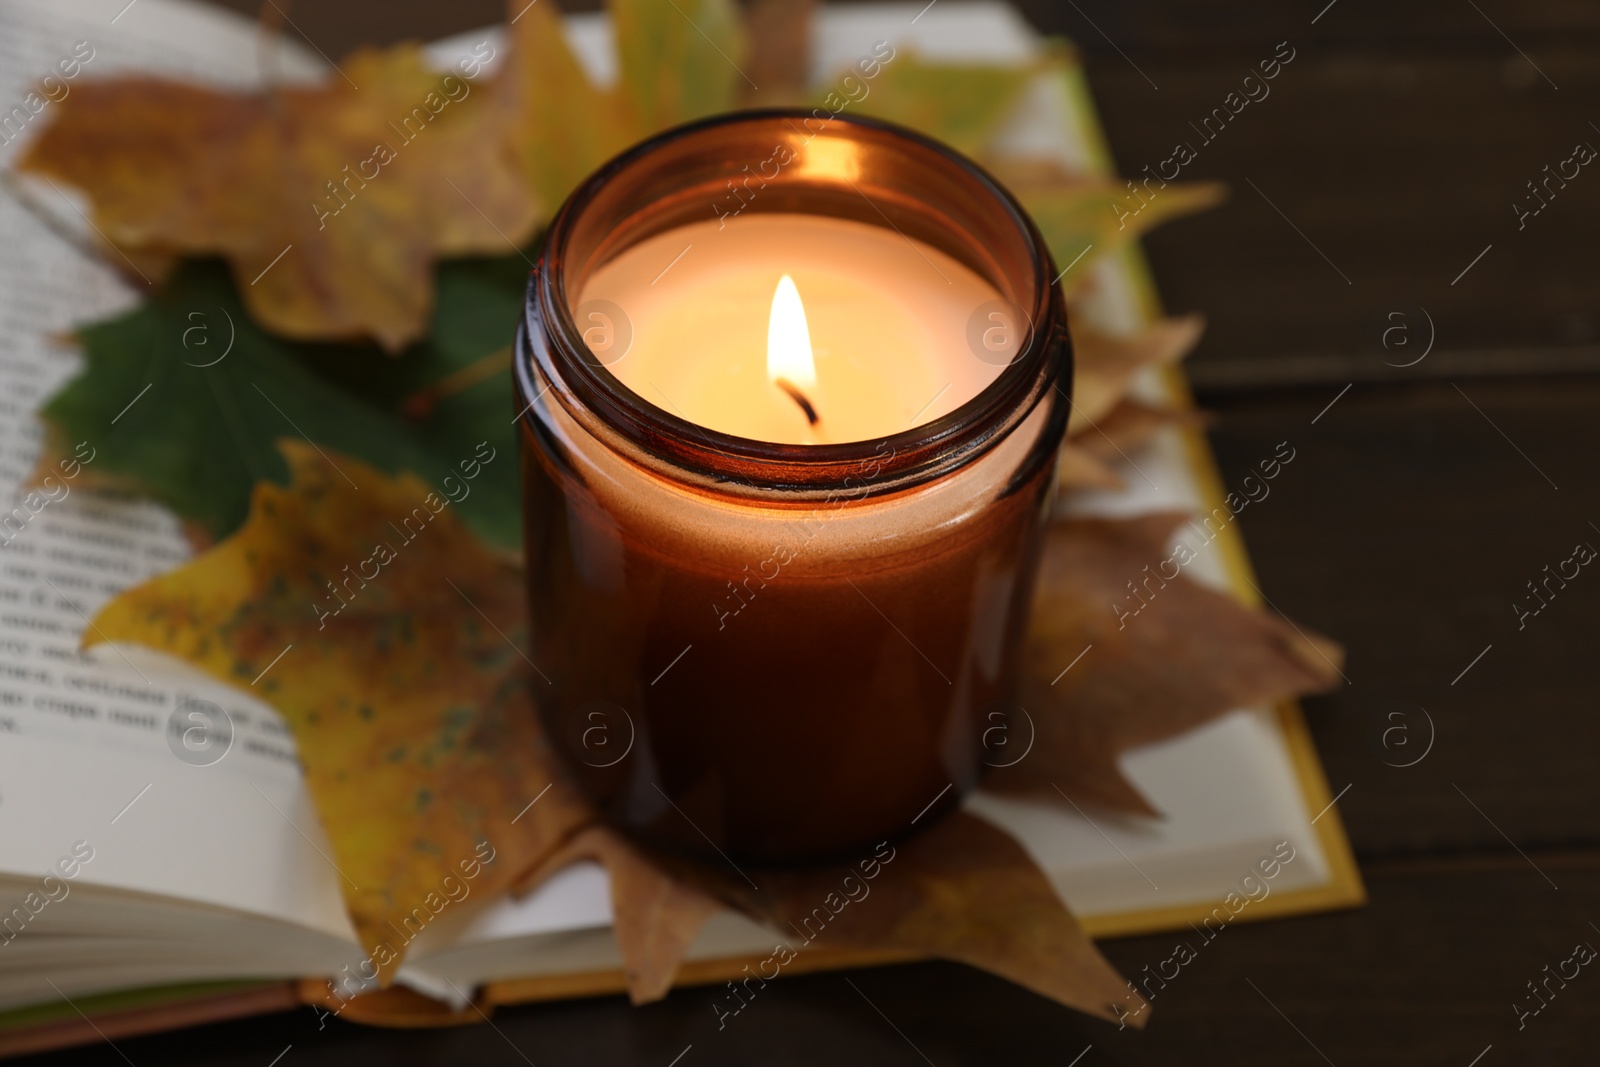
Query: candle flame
point(789, 340)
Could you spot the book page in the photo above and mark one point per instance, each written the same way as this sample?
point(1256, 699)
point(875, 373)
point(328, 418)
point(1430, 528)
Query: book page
point(179, 786)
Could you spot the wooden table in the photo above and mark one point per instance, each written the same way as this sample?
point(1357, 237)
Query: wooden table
point(1366, 189)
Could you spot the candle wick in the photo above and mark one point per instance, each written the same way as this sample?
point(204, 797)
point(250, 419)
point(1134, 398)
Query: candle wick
point(800, 398)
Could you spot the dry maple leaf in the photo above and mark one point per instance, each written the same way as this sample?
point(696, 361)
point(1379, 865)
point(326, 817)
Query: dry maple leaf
point(1089, 457)
point(680, 60)
point(655, 915)
point(1104, 365)
point(401, 679)
point(1130, 425)
point(1080, 468)
point(962, 104)
point(331, 203)
point(1159, 664)
point(561, 125)
point(1085, 218)
point(677, 62)
point(1104, 425)
point(961, 890)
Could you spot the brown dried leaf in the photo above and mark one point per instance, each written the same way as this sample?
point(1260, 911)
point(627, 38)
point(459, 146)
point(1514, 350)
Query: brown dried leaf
point(1079, 468)
point(1104, 365)
point(1089, 459)
point(962, 890)
point(1155, 667)
point(1130, 425)
point(655, 915)
point(330, 203)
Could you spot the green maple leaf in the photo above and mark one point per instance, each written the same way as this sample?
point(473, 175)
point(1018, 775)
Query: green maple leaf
point(184, 397)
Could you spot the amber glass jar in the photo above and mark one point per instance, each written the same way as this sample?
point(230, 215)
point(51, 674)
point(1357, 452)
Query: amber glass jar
point(882, 585)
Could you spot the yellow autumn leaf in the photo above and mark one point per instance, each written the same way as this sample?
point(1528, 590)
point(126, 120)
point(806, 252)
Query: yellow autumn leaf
point(401, 675)
point(680, 59)
point(562, 126)
point(962, 104)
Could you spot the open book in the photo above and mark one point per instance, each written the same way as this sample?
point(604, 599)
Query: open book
point(130, 862)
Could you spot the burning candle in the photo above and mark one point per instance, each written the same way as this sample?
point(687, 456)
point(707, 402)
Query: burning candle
point(785, 475)
point(797, 329)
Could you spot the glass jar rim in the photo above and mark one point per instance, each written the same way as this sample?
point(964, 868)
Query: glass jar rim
point(550, 338)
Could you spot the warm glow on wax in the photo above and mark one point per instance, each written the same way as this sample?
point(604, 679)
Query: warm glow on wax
point(880, 343)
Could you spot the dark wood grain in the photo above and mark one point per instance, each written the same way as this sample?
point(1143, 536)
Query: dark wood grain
point(1365, 185)
point(1407, 526)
